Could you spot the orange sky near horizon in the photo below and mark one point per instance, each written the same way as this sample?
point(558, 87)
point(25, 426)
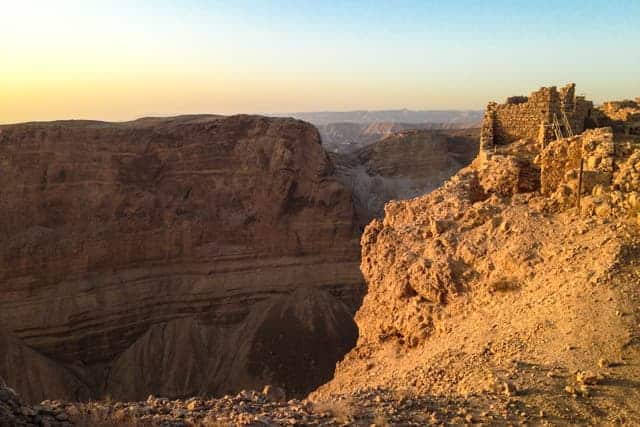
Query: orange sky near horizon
point(120, 61)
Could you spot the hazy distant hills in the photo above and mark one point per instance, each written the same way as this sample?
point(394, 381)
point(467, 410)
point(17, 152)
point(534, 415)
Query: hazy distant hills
point(464, 118)
point(347, 131)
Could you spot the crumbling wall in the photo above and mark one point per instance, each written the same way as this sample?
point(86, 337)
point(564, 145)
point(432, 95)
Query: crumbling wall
point(517, 121)
point(621, 110)
point(622, 116)
point(520, 151)
point(488, 126)
point(560, 165)
point(531, 117)
point(627, 167)
point(556, 160)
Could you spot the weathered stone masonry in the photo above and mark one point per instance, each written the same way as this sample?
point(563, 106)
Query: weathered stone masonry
point(518, 138)
point(532, 117)
point(622, 116)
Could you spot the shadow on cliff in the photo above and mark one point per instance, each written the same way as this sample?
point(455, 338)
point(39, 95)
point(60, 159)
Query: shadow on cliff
point(299, 339)
point(292, 341)
point(149, 257)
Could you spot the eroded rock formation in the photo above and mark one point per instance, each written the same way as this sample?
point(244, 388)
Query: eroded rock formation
point(402, 166)
point(144, 257)
point(348, 137)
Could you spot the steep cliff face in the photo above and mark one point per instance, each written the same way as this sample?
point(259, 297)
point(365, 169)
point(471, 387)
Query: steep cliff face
point(402, 166)
point(132, 244)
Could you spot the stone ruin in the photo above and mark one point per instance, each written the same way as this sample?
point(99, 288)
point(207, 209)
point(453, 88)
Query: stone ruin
point(622, 116)
point(543, 116)
point(610, 182)
point(558, 143)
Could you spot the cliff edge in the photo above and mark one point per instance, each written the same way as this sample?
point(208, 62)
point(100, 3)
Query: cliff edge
point(163, 255)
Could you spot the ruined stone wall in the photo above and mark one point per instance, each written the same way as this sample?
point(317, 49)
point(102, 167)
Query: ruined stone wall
point(622, 116)
point(560, 164)
point(530, 117)
point(488, 125)
point(582, 115)
point(622, 110)
point(517, 121)
point(556, 160)
point(627, 178)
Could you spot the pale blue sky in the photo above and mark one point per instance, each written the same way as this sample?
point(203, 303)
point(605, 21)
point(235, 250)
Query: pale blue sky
point(119, 60)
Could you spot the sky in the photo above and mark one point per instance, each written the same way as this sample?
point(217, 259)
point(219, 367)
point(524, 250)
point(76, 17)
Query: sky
point(119, 60)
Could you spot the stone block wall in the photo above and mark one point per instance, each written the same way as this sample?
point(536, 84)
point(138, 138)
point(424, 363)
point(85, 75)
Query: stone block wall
point(556, 160)
point(560, 164)
point(488, 126)
point(517, 99)
point(530, 117)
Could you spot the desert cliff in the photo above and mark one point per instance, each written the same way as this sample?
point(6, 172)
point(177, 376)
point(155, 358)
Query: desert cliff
point(164, 256)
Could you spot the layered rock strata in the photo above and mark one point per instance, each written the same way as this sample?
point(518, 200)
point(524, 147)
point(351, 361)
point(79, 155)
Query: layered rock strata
point(162, 246)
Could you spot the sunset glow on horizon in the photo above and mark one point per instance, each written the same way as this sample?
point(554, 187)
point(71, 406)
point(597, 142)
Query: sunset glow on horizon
point(114, 61)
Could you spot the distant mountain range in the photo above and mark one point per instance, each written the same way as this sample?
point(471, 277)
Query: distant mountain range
point(463, 118)
point(346, 131)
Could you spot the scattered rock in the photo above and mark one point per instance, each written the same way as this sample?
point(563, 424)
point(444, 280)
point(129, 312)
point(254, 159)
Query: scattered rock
point(509, 389)
point(587, 377)
point(274, 393)
point(194, 404)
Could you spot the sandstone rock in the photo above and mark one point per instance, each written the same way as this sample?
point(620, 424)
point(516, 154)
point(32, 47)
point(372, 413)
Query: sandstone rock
point(61, 416)
point(14, 413)
point(509, 389)
point(27, 412)
point(274, 394)
point(194, 404)
point(603, 210)
point(437, 227)
point(587, 377)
